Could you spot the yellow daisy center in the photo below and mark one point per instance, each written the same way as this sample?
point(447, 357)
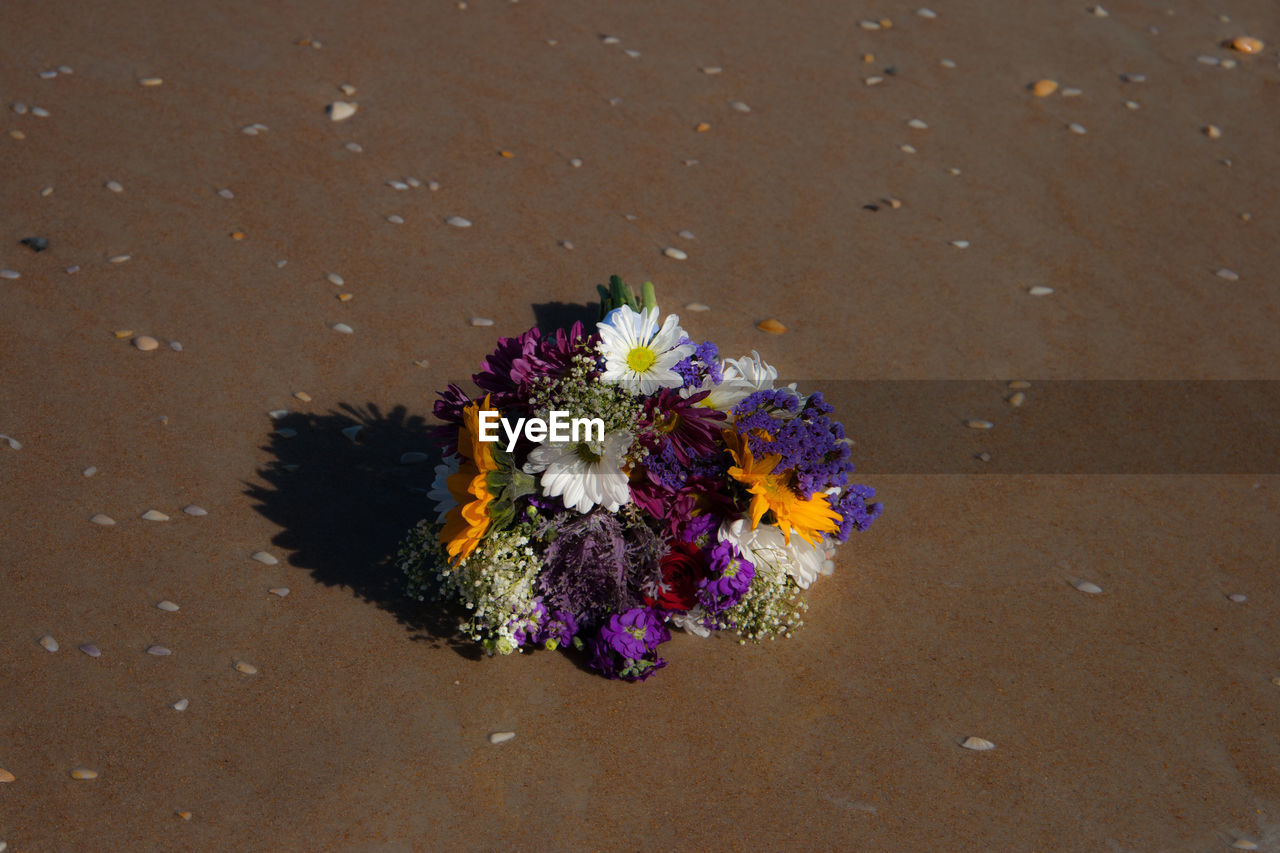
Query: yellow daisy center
point(641, 359)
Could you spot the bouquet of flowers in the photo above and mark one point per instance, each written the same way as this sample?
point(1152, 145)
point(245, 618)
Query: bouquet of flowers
point(608, 485)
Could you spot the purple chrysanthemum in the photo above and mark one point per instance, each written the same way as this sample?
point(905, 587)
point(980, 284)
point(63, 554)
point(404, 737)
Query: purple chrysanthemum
point(449, 409)
point(509, 372)
point(680, 424)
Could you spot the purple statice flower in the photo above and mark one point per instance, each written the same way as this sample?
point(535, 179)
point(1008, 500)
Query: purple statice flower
point(801, 432)
point(626, 646)
point(728, 577)
point(595, 564)
point(855, 512)
point(560, 629)
point(704, 363)
point(677, 422)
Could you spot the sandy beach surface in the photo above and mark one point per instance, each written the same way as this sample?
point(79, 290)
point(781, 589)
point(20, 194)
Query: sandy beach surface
point(879, 180)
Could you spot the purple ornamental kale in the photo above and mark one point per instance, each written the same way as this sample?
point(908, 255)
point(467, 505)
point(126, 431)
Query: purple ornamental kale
point(729, 575)
point(626, 646)
point(594, 564)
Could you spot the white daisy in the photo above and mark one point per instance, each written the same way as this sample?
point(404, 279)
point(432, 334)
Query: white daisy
point(742, 378)
point(766, 548)
point(638, 354)
point(440, 486)
point(584, 474)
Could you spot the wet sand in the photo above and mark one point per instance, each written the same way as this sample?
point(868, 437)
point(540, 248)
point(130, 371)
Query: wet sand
point(1142, 718)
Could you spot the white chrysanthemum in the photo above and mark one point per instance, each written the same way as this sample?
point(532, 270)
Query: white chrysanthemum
point(440, 486)
point(766, 548)
point(638, 354)
point(742, 378)
point(584, 474)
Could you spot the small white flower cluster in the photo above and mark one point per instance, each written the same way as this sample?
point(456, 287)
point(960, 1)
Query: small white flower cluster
point(495, 584)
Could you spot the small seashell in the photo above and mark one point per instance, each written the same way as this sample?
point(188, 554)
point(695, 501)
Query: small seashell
point(675, 254)
point(91, 650)
point(48, 75)
point(697, 306)
point(459, 222)
point(146, 343)
point(19, 108)
point(610, 40)
point(398, 185)
point(740, 106)
point(1212, 131)
point(46, 192)
point(421, 362)
point(354, 147)
point(180, 705)
point(1207, 60)
point(702, 127)
point(281, 591)
point(1132, 105)
point(928, 14)
point(158, 651)
point(6, 776)
point(977, 423)
point(977, 744)
point(771, 326)
point(246, 668)
point(873, 81)
point(960, 244)
point(917, 124)
point(195, 510)
point(1072, 92)
point(953, 171)
point(49, 643)
point(1133, 78)
point(907, 149)
point(894, 203)
point(175, 346)
point(340, 110)
point(503, 152)
point(1039, 290)
point(1227, 63)
point(40, 112)
point(413, 182)
point(1087, 587)
point(575, 162)
point(711, 69)
point(1238, 597)
point(114, 186)
point(947, 63)
point(1016, 399)
point(1044, 88)
point(302, 395)
point(634, 54)
point(686, 234)
point(1099, 12)
point(1247, 44)
point(501, 737)
point(1019, 384)
point(118, 259)
point(347, 89)
point(183, 815)
point(11, 275)
point(264, 558)
point(17, 134)
point(568, 244)
point(13, 443)
point(249, 130)
point(352, 432)
point(413, 457)
point(155, 515)
point(1243, 844)
point(1229, 275)
point(103, 519)
point(90, 471)
point(1077, 128)
point(869, 25)
point(150, 81)
point(84, 773)
point(481, 321)
point(237, 235)
point(167, 606)
point(395, 219)
point(342, 328)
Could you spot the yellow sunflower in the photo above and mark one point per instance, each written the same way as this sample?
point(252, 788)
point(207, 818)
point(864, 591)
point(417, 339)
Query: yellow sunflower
point(809, 518)
point(467, 523)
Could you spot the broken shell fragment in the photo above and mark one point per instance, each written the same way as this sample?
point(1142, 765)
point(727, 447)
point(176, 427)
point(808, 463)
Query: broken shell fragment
point(977, 744)
point(340, 110)
point(771, 326)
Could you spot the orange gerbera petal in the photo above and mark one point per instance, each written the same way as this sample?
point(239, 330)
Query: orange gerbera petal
point(466, 524)
point(769, 491)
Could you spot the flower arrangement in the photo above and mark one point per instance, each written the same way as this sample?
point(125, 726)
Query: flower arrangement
point(607, 486)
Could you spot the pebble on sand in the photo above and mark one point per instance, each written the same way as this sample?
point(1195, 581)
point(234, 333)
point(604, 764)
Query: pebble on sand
point(302, 395)
point(675, 254)
point(1247, 44)
point(740, 106)
point(119, 259)
point(155, 515)
point(1044, 88)
point(279, 591)
point(1212, 131)
point(978, 423)
point(11, 275)
point(246, 668)
point(195, 510)
point(342, 328)
point(1088, 587)
point(84, 773)
point(158, 651)
point(459, 222)
point(103, 519)
point(702, 127)
point(1238, 597)
point(90, 471)
point(1244, 844)
point(771, 326)
point(1229, 275)
point(180, 705)
point(501, 737)
point(6, 776)
point(977, 744)
point(49, 643)
point(91, 650)
point(960, 244)
point(1039, 290)
point(264, 558)
point(114, 186)
point(150, 81)
point(341, 110)
point(146, 343)
point(395, 219)
point(167, 606)
point(1016, 399)
point(917, 124)
point(1077, 128)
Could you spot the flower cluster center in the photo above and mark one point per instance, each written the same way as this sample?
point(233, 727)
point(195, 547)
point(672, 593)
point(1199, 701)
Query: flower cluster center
point(640, 359)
